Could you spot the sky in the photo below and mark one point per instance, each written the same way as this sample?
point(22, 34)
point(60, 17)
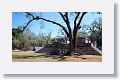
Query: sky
point(20, 19)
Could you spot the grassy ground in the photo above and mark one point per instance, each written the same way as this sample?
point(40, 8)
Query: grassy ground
point(30, 56)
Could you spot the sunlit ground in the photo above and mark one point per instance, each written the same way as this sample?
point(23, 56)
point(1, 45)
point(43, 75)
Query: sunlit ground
point(30, 56)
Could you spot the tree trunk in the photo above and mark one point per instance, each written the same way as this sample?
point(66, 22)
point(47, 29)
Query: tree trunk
point(71, 46)
point(74, 44)
point(74, 39)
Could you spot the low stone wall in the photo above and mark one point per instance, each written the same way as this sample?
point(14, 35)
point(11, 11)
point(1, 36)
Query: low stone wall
point(83, 50)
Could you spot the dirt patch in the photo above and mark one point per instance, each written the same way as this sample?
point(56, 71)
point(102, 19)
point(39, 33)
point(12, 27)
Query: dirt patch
point(42, 58)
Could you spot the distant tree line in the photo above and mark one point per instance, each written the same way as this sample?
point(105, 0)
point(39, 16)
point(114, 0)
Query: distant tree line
point(27, 40)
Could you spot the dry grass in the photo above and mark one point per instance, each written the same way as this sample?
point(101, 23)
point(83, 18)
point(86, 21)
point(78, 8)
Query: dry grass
point(42, 57)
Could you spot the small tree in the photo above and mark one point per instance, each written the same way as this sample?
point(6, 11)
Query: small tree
point(44, 39)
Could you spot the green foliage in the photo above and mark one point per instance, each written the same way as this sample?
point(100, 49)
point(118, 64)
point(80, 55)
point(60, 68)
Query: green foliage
point(27, 40)
point(22, 40)
point(44, 39)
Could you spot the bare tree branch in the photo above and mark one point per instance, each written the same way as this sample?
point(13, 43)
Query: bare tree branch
point(63, 17)
point(38, 18)
point(66, 20)
point(81, 18)
point(27, 24)
point(76, 18)
point(28, 13)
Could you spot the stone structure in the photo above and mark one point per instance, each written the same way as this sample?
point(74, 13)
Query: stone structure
point(81, 41)
point(61, 40)
point(83, 47)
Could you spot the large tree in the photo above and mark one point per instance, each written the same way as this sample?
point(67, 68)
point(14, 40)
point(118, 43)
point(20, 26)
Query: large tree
point(95, 30)
point(70, 32)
